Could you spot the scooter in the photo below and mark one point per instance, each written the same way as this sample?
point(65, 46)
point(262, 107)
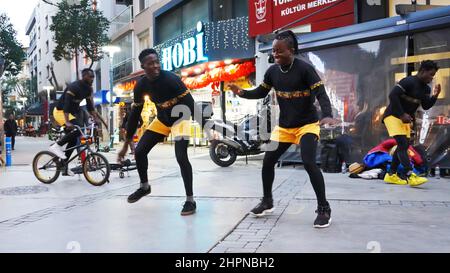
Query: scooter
point(241, 139)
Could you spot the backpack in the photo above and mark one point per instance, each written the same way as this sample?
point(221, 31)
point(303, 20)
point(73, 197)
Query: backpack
point(329, 157)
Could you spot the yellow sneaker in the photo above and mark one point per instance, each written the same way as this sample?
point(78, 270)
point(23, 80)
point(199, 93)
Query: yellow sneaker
point(415, 180)
point(394, 179)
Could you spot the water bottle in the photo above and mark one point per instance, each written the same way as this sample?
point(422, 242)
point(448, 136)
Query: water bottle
point(344, 168)
point(437, 172)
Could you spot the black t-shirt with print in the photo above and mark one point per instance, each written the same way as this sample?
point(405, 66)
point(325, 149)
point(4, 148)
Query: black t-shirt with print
point(407, 96)
point(166, 91)
point(296, 88)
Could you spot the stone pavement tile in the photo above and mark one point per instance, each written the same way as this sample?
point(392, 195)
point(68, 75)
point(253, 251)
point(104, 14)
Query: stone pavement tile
point(360, 228)
point(114, 226)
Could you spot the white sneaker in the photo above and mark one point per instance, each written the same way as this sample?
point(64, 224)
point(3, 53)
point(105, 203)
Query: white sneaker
point(58, 151)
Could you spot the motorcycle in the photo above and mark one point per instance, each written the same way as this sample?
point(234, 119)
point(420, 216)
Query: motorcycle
point(241, 139)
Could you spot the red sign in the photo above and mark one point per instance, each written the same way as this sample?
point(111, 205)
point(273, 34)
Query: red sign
point(266, 16)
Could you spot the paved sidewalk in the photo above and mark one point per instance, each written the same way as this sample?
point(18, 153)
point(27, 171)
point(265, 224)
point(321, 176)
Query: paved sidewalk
point(70, 215)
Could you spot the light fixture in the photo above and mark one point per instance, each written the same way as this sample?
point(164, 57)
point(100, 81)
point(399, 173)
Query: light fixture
point(228, 61)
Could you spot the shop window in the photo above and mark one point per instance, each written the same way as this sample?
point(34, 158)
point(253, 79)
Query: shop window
point(228, 9)
point(433, 125)
point(358, 79)
point(192, 12)
point(180, 20)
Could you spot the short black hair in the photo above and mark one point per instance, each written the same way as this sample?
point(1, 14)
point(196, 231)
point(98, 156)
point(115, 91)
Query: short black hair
point(145, 53)
point(85, 71)
point(428, 65)
point(290, 38)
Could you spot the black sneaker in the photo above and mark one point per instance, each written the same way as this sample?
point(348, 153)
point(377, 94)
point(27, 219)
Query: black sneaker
point(264, 207)
point(139, 194)
point(323, 218)
point(188, 208)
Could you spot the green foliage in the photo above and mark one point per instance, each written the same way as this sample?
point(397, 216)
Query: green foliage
point(77, 29)
point(10, 48)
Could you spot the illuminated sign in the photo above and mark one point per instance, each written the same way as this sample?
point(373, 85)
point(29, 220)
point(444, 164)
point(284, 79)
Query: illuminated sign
point(442, 120)
point(189, 51)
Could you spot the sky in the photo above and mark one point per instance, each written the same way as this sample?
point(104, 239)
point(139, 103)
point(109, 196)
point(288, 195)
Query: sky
point(19, 12)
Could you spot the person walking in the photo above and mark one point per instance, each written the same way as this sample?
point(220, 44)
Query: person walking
point(11, 130)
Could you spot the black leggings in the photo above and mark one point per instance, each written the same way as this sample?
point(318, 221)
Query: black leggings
point(71, 137)
point(146, 144)
point(401, 155)
point(308, 146)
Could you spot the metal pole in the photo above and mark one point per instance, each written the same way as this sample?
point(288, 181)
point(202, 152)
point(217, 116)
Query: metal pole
point(2, 62)
point(48, 109)
point(111, 122)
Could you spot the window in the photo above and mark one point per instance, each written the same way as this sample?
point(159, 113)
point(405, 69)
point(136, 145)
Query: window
point(143, 4)
point(358, 79)
point(46, 21)
point(144, 41)
point(98, 79)
point(180, 20)
point(229, 9)
point(48, 72)
point(46, 47)
point(39, 32)
point(40, 55)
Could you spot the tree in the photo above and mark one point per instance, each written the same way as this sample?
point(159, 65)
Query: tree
point(78, 28)
point(10, 48)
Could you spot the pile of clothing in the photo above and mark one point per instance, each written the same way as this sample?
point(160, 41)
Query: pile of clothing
point(378, 161)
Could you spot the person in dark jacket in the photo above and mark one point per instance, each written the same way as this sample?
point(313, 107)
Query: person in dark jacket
point(11, 130)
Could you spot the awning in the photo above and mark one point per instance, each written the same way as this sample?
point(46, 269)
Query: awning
point(36, 109)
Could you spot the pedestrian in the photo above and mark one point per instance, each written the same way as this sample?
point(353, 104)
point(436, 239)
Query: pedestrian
point(11, 130)
point(169, 94)
point(297, 85)
point(404, 100)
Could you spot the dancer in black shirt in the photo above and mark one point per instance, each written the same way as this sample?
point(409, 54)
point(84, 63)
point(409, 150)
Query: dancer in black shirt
point(175, 106)
point(297, 86)
point(405, 98)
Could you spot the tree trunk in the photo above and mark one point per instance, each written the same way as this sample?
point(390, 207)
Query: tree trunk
point(57, 87)
point(76, 64)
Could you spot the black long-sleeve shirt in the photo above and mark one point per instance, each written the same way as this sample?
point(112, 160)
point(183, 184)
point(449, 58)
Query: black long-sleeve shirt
point(407, 96)
point(167, 91)
point(10, 127)
point(296, 91)
point(74, 94)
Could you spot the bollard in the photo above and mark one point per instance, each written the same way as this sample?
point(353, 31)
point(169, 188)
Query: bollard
point(8, 151)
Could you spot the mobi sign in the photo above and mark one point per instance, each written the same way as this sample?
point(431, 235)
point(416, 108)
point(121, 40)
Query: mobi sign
point(187, 52)
point(266, 16)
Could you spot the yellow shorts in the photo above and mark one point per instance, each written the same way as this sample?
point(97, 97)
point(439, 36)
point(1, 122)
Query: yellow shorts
point(58, 115)
point(294, 135)
point(396, 127)
point(179, 129)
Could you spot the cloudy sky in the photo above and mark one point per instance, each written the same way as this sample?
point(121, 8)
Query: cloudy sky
point(19, 12)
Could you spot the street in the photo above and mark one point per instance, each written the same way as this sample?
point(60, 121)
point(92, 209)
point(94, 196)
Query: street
point(70, 215)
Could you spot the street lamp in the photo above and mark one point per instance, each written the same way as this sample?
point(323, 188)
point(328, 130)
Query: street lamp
point(111, 50)
point(48, 88)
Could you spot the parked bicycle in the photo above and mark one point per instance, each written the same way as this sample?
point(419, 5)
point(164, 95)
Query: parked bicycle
point(94, 166)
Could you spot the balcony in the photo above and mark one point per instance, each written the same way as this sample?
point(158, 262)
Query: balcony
point(123, 69)
point(122, 22)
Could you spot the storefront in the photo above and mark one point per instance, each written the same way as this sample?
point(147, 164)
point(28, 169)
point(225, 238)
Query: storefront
point(360, 64)
point(210, 57)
